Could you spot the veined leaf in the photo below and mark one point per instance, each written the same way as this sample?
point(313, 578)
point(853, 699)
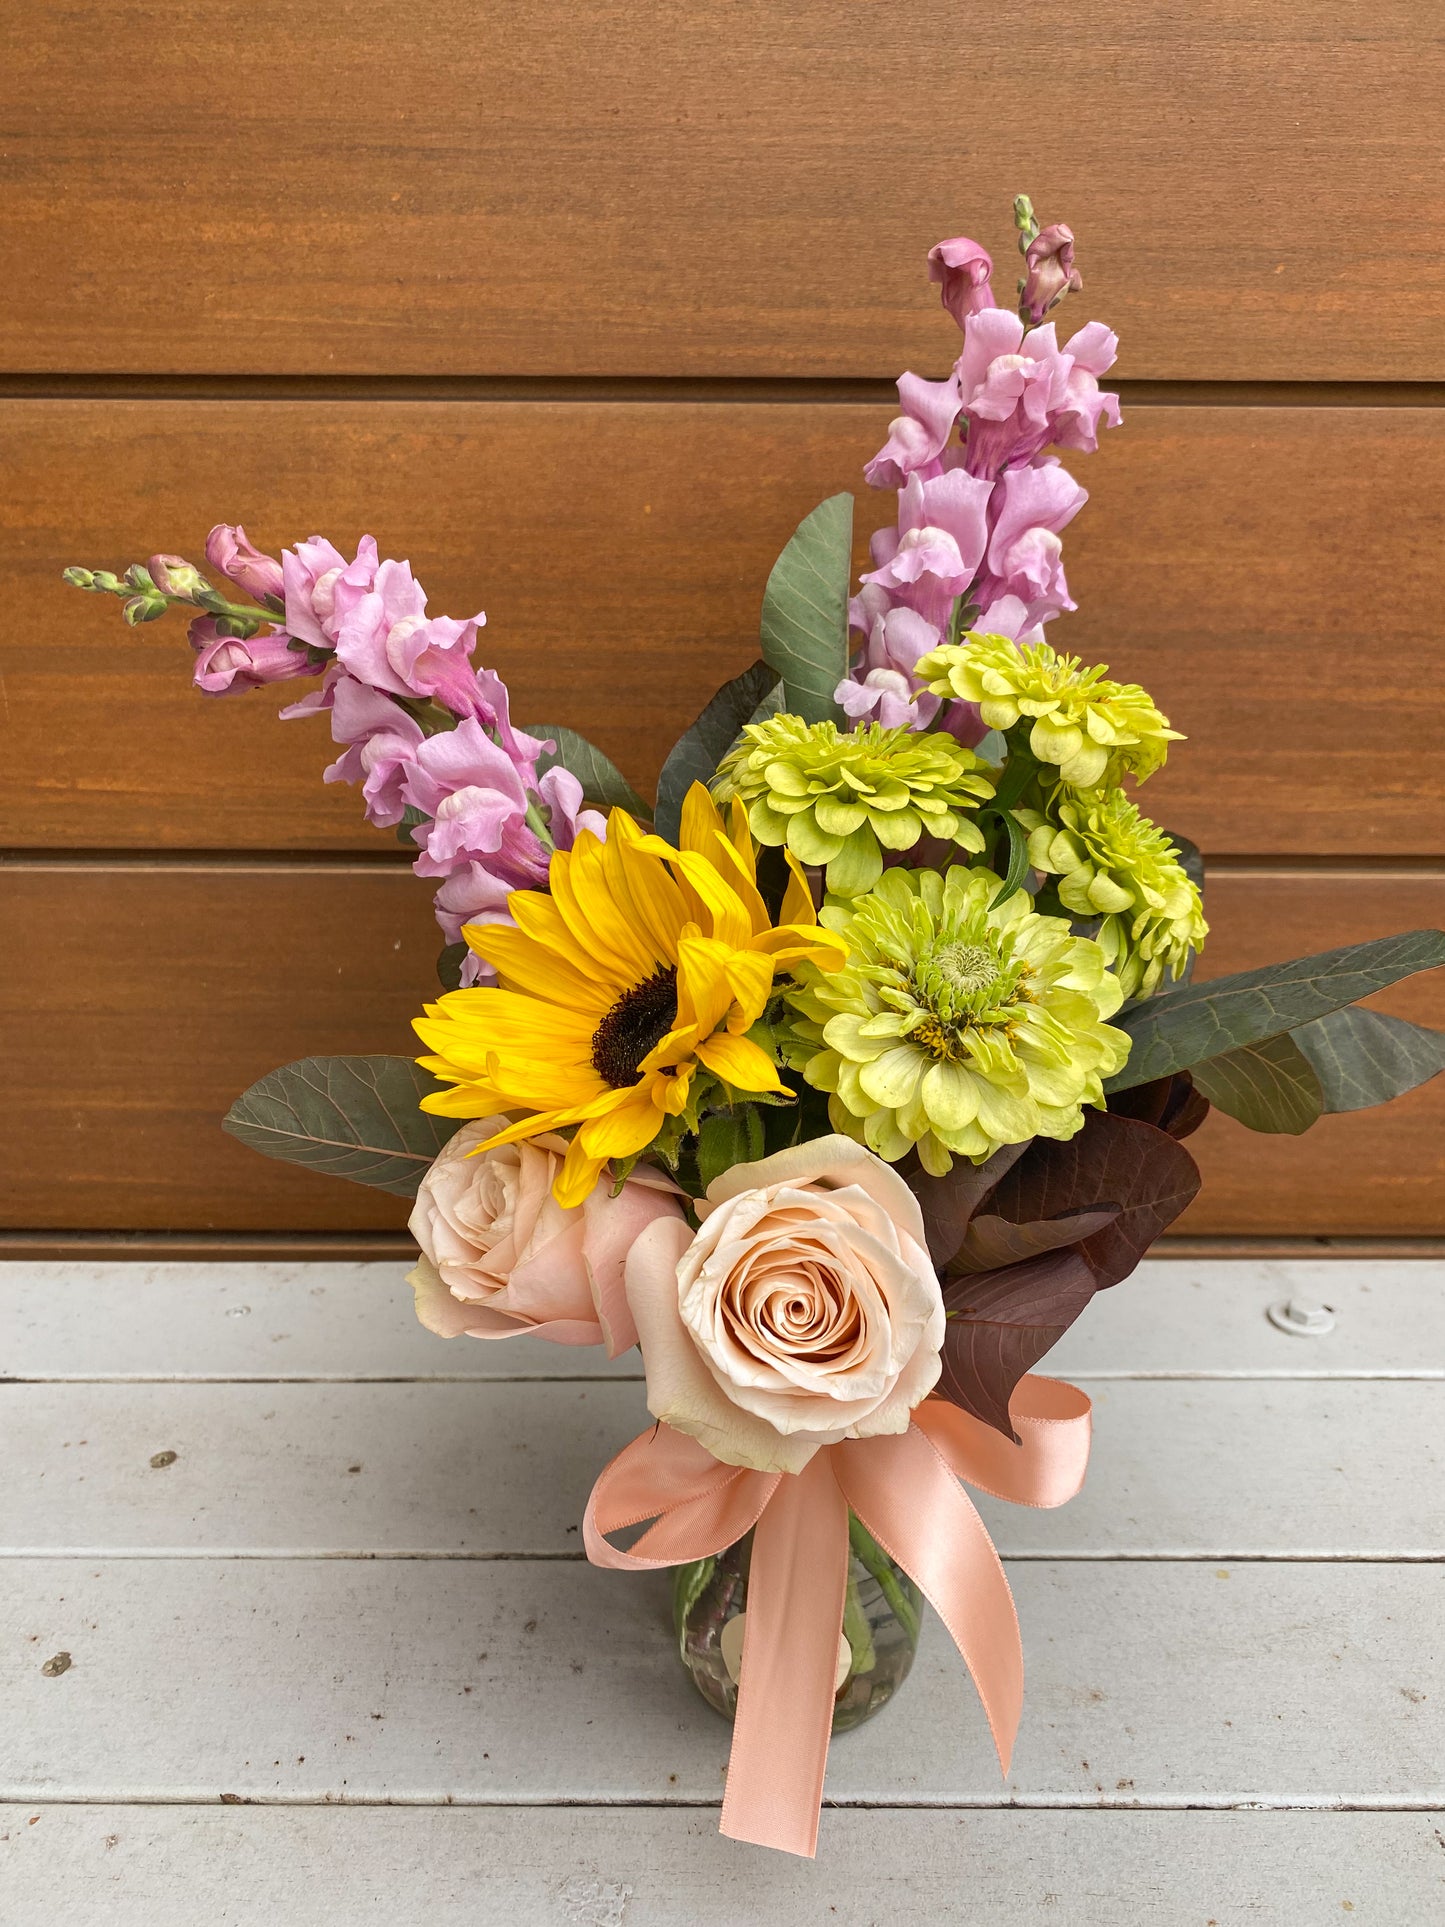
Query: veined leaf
point(602, 782)
point(1362, 1057)
point(1198, 1022)
point(1269, 1087)
point(698, 751)
point(349, 1117)
point(805, 611)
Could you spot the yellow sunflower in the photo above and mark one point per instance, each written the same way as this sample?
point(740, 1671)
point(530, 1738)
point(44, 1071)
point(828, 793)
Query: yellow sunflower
point(641, 963)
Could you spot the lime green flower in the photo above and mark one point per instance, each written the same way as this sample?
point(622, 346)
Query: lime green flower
point(841, 800)
point(955, 1027)
point(1115, 864)
point(1095, 730)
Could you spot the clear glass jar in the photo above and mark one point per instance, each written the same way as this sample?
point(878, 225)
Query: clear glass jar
point(881, 1612)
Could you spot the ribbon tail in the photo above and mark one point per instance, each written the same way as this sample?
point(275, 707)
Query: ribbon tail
point(908, 1498)
point(796, 1585)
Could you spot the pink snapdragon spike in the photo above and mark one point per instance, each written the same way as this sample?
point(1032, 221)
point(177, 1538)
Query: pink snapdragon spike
point(385, 638)
point(225, 665)
point(1051, 275)
point(981, 511)
point(962, 268)
point(230, 550)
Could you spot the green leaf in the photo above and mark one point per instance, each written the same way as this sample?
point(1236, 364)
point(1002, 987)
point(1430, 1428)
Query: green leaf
point(602, 782)
point(727, 1138)
point(449, 966)
point(805, 611)
point(349, 1117)
point(1362, 1057)
point(698, 751)
point(1198, 1022)
point(1018, 861)
point(1270, 1086)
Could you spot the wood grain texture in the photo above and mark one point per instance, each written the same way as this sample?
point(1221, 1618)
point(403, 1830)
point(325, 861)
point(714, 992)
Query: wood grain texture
point(621, 551)
point(1337, 1470)
point(144, 998)
point(124, 1322)
point(748, 189)
point(135, 1866)
point(1150, 1683)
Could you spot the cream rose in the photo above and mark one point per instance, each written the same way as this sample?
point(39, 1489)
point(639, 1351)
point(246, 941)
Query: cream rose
point(501, 1257)
point(806, 1310)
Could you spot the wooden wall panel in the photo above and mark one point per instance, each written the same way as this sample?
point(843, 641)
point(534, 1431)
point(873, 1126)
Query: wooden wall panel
point(573, 186)
point(1269, 573)
point(143, 998)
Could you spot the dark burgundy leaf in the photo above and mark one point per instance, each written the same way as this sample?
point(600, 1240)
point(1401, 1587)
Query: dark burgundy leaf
point(1170, 1103)
point(1114, 1186)
point(948, 1203)
point(1000, 1324)
point(1136, 1166)
point(991, 1242)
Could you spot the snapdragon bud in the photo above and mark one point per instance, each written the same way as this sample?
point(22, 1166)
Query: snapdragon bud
point(139, 577)
point(80, 579)
point(176, 577)
point(145, 607)
point(1024, 221)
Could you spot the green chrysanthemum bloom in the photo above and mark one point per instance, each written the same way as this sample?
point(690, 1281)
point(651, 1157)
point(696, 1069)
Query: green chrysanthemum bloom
point(1115, 864)
point(841, 800)
point(955, 1027)
point(1095, 730)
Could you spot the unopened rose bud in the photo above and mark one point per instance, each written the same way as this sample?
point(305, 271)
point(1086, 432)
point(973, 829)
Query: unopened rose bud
point(174, 576)
point(1051, 272)
point(145, 607)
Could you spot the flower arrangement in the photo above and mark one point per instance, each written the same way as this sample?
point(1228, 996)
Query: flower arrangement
point(840, 1078)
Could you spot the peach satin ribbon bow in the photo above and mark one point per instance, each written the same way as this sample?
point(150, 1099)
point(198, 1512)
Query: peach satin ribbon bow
point(905, 1489)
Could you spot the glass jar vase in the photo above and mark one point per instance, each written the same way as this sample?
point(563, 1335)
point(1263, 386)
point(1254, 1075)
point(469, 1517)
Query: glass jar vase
point(881, 1612)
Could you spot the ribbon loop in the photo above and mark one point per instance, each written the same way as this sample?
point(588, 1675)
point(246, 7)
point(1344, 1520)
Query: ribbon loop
point(905, 1488)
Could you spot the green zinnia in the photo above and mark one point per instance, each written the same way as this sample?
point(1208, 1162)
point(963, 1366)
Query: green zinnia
point(1095, 730)
point(841, 800)
point(954, 1027)
point(1115, 864)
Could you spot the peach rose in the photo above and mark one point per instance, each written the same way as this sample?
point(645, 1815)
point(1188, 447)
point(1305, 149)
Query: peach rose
point(501, 1257)
point(806, 1310)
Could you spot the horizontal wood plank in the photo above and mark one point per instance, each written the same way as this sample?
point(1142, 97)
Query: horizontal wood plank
point(1226, 1469)
point(621, 550)
point(118, 1322)
point(135, 1866)
point(748, 189)
point(143, 999)
point(518, 1682)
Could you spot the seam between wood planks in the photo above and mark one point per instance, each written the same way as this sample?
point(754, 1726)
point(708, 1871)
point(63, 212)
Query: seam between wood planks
point(1103, 1802)
point(725, 390)
point(1401, 1375)
point(418, 1555)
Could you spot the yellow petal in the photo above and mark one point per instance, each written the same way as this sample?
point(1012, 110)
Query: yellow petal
point(524, 964)
point(751, 976)
point(798, 905)
point(740, 1062)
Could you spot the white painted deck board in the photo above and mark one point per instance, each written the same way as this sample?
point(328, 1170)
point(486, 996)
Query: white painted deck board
point(294, 1680)
point(323, 1320)
point(1204, 1469)
point(343, 1867)
point(1239, 1612)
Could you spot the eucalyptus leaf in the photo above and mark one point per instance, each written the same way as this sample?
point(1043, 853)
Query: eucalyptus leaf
point(1270, 1086)
point(602, 782)
point(805, 611)
point(449, 966)
point(1198, 1022)
point(348, 1117)
point(1362, 1057)
point(698, 751)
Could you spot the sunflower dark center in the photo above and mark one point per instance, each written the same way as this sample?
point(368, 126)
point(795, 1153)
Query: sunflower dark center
point(638, 1021)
